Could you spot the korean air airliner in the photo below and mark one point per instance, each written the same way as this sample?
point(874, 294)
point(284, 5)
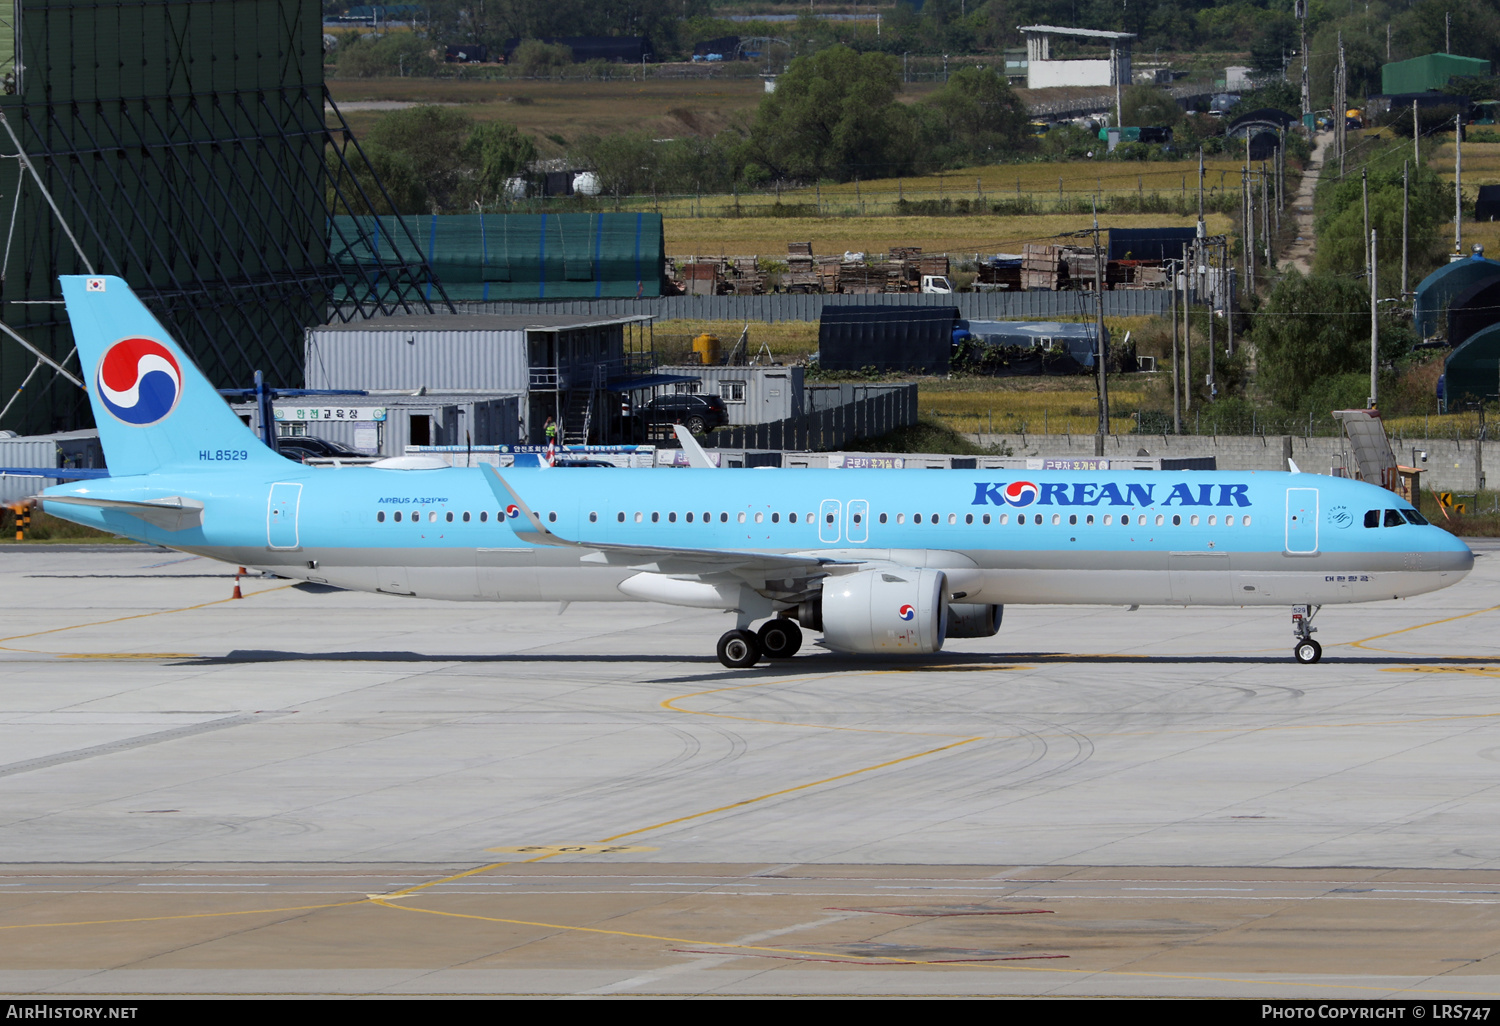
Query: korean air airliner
point(885, 562)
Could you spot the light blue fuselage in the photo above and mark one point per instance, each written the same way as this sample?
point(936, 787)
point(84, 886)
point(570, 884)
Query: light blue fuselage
point(1220, 538)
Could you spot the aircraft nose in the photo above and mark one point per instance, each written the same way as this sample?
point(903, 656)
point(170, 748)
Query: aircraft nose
point(1449, 554)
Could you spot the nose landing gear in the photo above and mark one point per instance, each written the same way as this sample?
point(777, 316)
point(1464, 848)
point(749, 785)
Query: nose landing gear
point(1306, 650)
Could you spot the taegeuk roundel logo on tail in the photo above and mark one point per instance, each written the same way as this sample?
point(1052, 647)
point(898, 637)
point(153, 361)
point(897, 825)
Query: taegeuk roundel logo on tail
point(512, 511)
point(139, 381)
point(907, 611)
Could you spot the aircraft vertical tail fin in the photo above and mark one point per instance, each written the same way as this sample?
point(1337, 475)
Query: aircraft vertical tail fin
point(154, 407)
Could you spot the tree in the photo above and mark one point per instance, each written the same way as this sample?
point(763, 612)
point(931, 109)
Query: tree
point(626, 163)
point(395, 53)
point(498, 152)
point(830, 117)
point(432, 138)
point(1147, 105)
point(1340, 226)
point(1312, 329)
point(353, 189)
point(982, 117)
point(536, 59)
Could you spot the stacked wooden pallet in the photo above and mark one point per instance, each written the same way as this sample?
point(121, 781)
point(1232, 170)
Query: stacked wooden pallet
point(933, 264)
point(1041, 266)
point(746, 277)
point(801, 273)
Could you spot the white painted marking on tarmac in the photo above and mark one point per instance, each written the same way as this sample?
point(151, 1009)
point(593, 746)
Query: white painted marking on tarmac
point(697, 963)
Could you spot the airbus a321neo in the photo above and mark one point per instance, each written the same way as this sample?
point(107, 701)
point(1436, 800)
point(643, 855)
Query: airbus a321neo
point(878, 562)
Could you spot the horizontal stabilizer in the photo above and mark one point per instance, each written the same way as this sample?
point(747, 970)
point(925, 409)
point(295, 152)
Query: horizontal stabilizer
point(55, 473)
point(173, 513)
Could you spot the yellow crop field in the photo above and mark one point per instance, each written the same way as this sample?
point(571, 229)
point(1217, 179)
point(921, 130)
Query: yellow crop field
point(768, 236)
point(1481, 163)
point(1046, 405)
point(1043, 186)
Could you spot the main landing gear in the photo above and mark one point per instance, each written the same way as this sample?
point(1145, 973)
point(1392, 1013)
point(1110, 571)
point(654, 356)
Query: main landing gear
point(1306, 650)
point(778, 638)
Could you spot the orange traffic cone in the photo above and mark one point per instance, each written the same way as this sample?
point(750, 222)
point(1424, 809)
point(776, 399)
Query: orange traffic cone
point(237, 574)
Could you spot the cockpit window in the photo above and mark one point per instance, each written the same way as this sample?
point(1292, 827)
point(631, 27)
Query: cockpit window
point(1393, 518)
point(1372, 518)
point(1414, 517)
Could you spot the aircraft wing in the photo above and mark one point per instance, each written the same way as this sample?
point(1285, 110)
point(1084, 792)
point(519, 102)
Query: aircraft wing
point(173, 513)
point(702, 563)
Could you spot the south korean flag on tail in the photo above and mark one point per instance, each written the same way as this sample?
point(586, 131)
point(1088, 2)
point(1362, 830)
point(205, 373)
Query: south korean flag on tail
point(94, 285)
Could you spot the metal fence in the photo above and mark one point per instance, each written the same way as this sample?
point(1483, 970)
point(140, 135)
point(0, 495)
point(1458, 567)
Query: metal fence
point(787, 307)
point(882, 409)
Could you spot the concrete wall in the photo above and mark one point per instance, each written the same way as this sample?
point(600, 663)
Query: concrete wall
point(1050, 74)
point(1450, 465)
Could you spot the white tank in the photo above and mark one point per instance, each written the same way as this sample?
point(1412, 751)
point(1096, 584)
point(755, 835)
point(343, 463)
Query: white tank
point(587, 184)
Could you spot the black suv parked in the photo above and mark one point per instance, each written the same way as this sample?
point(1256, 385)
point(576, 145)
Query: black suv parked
point(698, 413)
point(300, 447)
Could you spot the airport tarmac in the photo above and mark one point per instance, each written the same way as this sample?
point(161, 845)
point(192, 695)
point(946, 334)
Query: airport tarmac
point(315, 792)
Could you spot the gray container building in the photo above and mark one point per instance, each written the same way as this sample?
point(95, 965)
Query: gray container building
point(385, 423)
point(751, 394)
point(563, 366)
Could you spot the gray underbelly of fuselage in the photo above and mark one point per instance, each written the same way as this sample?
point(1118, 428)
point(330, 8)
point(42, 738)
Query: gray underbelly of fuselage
point(1145, 578)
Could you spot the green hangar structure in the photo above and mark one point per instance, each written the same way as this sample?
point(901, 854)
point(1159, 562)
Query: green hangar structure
point(184, 147)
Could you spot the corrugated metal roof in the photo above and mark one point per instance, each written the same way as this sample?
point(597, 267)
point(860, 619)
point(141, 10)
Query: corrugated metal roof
point(484, 322)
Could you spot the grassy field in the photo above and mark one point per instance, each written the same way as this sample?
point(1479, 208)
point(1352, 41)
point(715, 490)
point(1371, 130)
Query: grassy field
point(1044, 405)
point(664, 108)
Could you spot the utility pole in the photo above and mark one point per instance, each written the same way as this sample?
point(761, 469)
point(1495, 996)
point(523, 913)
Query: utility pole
point(1176, 381)
point(1458, 175)
point(1201, 229)
point(1101, 358)
point(1374, 325)
point(1340, 121)
point(1405, 221)
point(1231, 303)
point(1364, 185)
point(1416, 136)
point(1247, 235)
point(1190, 253)
point(1265, 220)
point(1208, 282)
point(1300, 9)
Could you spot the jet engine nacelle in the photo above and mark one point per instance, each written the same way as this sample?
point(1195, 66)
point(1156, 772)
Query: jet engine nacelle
point(898, 610)
point(972, 620)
